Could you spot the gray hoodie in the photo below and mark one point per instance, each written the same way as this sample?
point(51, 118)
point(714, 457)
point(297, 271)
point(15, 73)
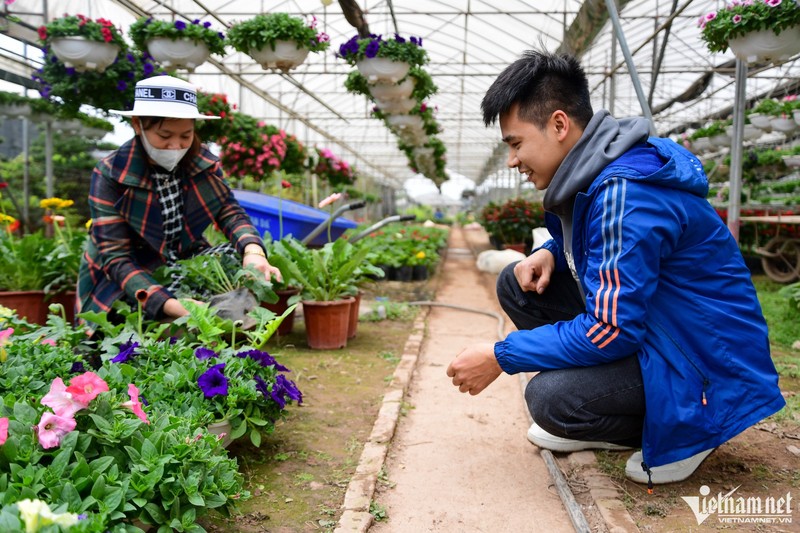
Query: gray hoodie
point(604, 140)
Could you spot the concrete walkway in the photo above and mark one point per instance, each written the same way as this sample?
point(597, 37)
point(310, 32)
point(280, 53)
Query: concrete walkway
point(457, 462)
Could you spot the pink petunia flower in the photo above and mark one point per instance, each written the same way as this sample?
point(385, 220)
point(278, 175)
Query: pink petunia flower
point(52, 429)
point(134, 404)
point(61, 401)
point(86, 387)
point(3, 430)
point(51, 342)
point(711, 16)
point(736, 19)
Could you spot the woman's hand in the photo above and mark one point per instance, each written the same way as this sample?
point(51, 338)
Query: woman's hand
point(254, 255)
point(173, 308)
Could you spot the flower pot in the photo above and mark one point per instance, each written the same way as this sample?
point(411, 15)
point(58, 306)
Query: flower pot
point(766, 45)
point(701, 145)
point(518, 247)
point(83, 54)
point(796, 115)
point(67, 126)
point(404, 273)
point(720, 141)
point(29, 305)
point(388, 272)
point(410, 122)
point(280, 307)
point(15, 110)
point(327, 323)
point(180, 53)
point(352, 327)
point(783, 124)
point(396, 107)
point(419, 273)
point(222, 428)
point(791, 161)
point(762, 122)
point(750, 132)
point(393, 91)
point(284, 57)
point(380, 69)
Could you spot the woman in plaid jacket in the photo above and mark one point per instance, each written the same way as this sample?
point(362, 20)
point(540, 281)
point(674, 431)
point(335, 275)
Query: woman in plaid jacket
point(152, 199)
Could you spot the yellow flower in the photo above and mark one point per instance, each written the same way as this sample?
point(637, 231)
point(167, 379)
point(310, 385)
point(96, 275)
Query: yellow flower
point(420, 255)
point(55, 203)
point(7, 219)
point(89, 223)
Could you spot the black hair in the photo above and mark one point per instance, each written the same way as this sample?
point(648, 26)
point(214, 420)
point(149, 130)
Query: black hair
point(541, 83)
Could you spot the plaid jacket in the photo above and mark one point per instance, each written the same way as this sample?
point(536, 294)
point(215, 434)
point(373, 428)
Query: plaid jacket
point(126, 241)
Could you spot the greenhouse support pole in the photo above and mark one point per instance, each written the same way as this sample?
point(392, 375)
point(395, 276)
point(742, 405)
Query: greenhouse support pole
point(623, 45)
point(26, 173)
point(735, 188)
point(48, 159)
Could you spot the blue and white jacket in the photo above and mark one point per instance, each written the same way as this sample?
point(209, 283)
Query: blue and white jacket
point(663, 279)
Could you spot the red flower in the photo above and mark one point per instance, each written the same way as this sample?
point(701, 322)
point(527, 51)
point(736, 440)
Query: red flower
point(285, 184)
point(3, 184)
point(42, 33)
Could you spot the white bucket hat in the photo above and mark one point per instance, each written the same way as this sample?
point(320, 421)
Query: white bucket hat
point(165, 96)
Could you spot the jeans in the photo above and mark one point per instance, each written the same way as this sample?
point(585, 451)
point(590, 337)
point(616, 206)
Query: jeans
point(595, 403)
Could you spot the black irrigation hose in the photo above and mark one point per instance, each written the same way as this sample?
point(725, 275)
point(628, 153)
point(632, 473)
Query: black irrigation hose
point(573, 508)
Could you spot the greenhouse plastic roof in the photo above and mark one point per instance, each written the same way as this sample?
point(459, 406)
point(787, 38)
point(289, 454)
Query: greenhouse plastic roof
point(469, 43)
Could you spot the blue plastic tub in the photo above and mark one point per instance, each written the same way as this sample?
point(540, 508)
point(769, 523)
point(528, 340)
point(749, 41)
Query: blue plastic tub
point(298, 219)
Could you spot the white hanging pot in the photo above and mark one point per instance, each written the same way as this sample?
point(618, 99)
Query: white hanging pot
point(750, 132)
point(67, 126)
point(15, 110)
point(766, 45)
point(285, 57)
point(720, 141)
point(701, 145)
point(405, 121)
point(796, 115)
point(83, 54)
point(783, 124)
point(760, 121)
point(380, 69)
point(791, 161)
point(393, 91)
point(180, 53)
point(397, 107)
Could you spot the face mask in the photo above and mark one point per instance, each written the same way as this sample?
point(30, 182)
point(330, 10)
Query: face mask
point(167, 159)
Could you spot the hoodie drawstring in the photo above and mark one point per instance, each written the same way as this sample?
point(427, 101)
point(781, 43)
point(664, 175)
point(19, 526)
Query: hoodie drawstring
point(649, 477)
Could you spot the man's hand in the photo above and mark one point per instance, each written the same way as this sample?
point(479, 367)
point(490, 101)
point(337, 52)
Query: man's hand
point(533, 272)
point(475, 368)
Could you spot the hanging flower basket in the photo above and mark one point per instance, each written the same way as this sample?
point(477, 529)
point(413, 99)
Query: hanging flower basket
point(14, 110)
point(82, 54)
point(396, 107)
point(401, 122)
point(180, 53)
point(783, 124)
point(379, 69)
point(720, 141)
point(393, 91)
point(796, 115)
point(750, 132)
point(285, 56)
point(762, 122)
point(766, 45)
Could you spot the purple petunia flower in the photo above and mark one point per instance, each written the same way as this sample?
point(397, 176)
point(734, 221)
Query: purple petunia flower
point(180, 25)
point(399, 39)
point(173, 340)
point(372, 49)
point(70, 71)
point(213, 382)
point(128, 349)
point(263, 359)
point(414, 40)
point(121, 85)
point(261, 386)
point(285, 387)
point(77, 368)
point(220, 35)
point(196, 22)
point(130, 58)
point(204, 353)
point(148, 69)
point(206, 24)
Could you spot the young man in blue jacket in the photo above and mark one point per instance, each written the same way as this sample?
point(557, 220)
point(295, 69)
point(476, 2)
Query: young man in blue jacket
point(639, 314)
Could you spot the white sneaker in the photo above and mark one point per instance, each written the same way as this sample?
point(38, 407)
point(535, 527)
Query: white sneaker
point(668, 473)
point(545, 440)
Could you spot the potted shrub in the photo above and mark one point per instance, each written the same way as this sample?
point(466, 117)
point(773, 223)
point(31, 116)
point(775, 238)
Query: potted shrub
point(214, 104)
point(759, 30)
point(512, 221)
point(328, 277)
point(277, 40)
point(25, 262)
point(332, 169)
point(177, 44)
point(82, 43)
point(251, 149)
point(382, 60)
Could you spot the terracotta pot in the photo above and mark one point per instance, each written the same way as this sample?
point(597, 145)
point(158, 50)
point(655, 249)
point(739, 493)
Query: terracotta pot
point(280, 307)
point(327, 323)
point(29, 305)
point(354, 308)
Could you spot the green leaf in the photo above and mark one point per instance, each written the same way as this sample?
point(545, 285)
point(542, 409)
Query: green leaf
point(255, 437)
point(70, 495)
point(196, 499)
point(99, 488)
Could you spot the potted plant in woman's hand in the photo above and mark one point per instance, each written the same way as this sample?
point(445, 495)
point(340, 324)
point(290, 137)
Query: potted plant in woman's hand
point(382, 60)
point(277, 40)
point(82, 43)
point(755, 30)
point(177, 44)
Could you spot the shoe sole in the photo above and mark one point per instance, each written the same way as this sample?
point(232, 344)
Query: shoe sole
point(567, 446)
point(660, 477)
